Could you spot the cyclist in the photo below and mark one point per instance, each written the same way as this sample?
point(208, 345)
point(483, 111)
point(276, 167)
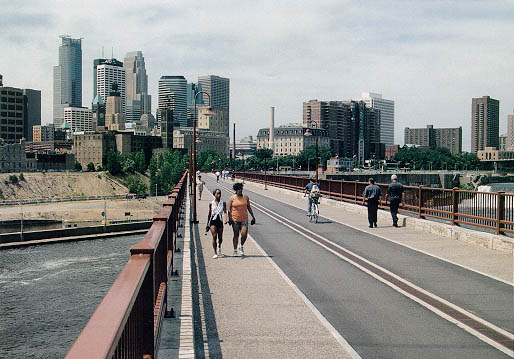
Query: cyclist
point(312, 189)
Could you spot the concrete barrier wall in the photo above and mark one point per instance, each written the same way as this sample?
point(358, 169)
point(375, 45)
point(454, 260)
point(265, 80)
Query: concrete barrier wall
point(73, 232)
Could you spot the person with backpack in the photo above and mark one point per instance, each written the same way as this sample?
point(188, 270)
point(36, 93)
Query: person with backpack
point(372, 195)
point(312, 189)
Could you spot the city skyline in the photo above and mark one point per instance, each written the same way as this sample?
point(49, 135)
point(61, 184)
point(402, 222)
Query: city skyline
point(423, 56)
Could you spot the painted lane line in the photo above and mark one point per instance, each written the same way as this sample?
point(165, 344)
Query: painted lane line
point(396, 242)
point(332, 330)
point(488, 332)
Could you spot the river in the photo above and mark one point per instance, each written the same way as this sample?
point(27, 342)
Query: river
point(49, 292)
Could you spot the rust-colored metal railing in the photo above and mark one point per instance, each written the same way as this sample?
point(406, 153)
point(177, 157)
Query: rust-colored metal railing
point(128, 321)
point(489, 210)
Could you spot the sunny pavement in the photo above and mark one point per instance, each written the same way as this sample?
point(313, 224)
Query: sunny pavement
point(257, 314)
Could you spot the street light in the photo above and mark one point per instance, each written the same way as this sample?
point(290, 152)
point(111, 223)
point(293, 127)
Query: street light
point(193, 155)
point(309, 133)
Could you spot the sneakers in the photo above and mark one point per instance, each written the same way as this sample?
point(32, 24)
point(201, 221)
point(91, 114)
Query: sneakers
point(241, 249)
point(215, 256)
point(235, 253)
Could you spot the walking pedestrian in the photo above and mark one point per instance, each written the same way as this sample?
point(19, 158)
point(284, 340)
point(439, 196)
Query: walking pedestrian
point(200, 185)
point(215, 221)
point(396, 196)
point(217, 176)
point(238, 208)
point(372, 195)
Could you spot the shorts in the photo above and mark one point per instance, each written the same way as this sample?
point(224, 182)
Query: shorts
point(240, 224)
point(216, 223)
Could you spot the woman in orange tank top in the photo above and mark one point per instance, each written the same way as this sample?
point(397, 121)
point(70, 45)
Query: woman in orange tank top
point(238, 208)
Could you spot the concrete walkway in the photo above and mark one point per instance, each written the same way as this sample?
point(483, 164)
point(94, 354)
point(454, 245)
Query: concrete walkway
point(250, 309)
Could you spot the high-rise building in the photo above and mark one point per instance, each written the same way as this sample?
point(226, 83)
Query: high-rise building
point(12, 114)
point(138, 100)
point(96, 62)
point(114, 115)
point(485, 123)
point(80, 119)
point(192, 90)
point(107, 73)
point(32, 112)
point(510, 131)
point(430, 137)
point(173, 94)
point(353, 128)
point(43, 133)
point(218, 89)
point(328, 115)
point(386, 107)
point(67, 77)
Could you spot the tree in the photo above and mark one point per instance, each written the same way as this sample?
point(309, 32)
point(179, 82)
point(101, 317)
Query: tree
point(113, 162)
point(324, 153)
point(165, 170)
point(264, 153)
point(22, 177)
point(78, 166)
point(140, 162)
point(90, 167)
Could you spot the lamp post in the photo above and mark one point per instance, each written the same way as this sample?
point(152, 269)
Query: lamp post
point(193, 155)
point(309, 133)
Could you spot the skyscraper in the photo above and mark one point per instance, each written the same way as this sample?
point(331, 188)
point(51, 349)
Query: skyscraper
point(485, 123)
point(67, 77)
point(386, 107)
point(218, 89)
point(107, 73)
point(114, 116)
point(192, 90)
point(173, 91)
point(510, 131)
point(138, 100)
point(32, 112)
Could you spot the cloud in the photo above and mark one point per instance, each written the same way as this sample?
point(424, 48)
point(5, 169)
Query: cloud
point(431, 57)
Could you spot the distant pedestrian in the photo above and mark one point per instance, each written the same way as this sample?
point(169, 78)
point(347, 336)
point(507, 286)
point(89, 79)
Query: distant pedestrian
point(238, 208)
point(233, 175)
point(372, 195)
point(217, 176)
point(396, 196)
point(215, 221)
point(200, 185)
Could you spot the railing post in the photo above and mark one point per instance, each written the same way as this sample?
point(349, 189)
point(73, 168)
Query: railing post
point(342, 189)
point(455, 205)
point(329, 188)
point(420, 201)
point(500, 211)
point(355, 191)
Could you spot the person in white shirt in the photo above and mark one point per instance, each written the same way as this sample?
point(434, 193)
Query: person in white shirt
point(215, 220)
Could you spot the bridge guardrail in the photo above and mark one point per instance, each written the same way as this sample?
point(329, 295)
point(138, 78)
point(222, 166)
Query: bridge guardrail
point(489, 210)
point(127, 323)
point(15, 202)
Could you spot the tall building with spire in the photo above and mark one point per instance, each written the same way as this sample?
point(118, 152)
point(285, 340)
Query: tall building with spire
point(114, 115)
point(173, 95)
point(138, 101)
point(67, 78)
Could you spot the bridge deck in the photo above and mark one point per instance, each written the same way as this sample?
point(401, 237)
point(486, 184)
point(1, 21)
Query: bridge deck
point(290, 297)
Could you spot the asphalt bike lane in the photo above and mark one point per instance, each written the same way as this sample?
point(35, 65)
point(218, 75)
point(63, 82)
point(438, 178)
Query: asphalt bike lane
point(377, 320)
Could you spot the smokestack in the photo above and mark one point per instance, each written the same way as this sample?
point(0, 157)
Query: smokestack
point(272, 130)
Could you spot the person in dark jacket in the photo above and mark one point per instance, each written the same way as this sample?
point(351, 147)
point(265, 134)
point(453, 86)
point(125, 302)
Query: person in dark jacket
point(395, 195)
point(372, 195)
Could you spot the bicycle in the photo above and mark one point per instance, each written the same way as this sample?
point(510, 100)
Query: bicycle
point(314, 210)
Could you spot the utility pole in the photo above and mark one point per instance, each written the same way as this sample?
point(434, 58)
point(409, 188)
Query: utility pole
point(105, 213)
point(21, 233)
point(234, 145)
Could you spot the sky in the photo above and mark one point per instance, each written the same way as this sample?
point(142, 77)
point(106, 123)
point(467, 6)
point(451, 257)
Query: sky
point(429, 56)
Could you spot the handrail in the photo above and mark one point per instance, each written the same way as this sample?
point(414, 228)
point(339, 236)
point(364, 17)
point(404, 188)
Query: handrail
point(127, 323)
point(490, 210)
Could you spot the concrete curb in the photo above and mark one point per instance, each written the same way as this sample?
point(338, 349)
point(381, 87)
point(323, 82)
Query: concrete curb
point(488, 240)
point(186, 343)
